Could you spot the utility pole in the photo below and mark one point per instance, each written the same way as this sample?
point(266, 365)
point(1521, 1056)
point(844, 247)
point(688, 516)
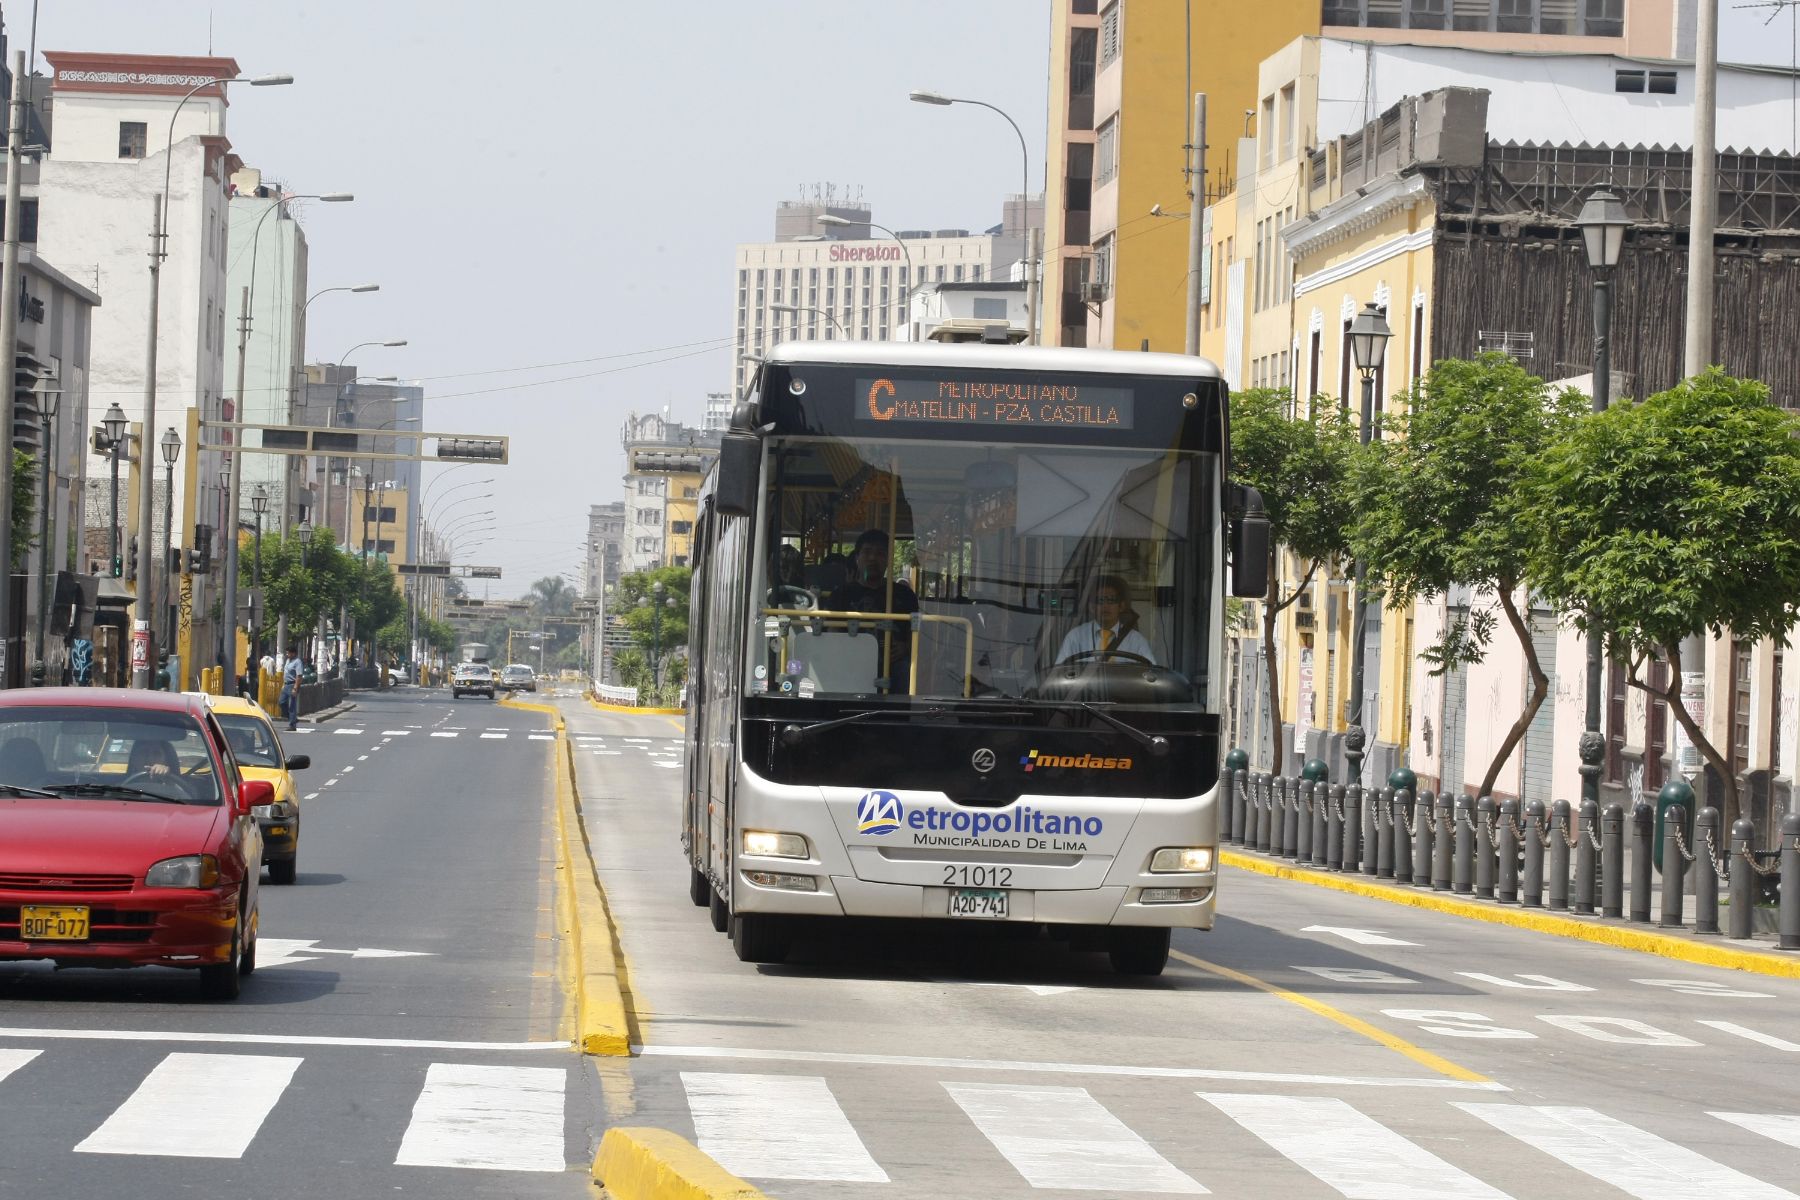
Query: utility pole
point(9, 343)
point(1703, 203)
point(1196, 221)
point(233, 500)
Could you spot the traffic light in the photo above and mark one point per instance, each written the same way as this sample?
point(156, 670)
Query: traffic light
point(201, 555)
point(131, 563)
point(472, 449)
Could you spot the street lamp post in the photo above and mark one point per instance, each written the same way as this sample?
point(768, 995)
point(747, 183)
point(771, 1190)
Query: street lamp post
point(47, 393)
point(171, 451)
point(141, 674)
point(1031, 280)
point(1602, 223)
point(906, 252)
point(259, 504)
point(113, 424)
point(823, 312)
point(1369, 334)
point(657, 601)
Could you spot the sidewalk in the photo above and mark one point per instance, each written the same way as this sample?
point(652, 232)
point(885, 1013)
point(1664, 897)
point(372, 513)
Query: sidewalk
point(1757, 955)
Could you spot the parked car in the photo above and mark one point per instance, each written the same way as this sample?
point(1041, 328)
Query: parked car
point(517, 677)
point(127, 835)
point(257, 748)
point(473, 678)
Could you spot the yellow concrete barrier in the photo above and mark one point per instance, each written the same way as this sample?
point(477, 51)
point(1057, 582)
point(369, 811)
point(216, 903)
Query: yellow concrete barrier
point(654, 1164)
point(596, 967)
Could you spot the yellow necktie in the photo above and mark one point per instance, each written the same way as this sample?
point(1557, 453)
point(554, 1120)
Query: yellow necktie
point(1106, 640)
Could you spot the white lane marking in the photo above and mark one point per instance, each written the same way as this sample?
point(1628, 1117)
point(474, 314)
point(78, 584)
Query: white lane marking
point(637, 741)
point(12, 1059)
point(1767, 1039)
point(331, 782)
point(777, 1127)
point(264, 1039)
point(500, 1118)
point(1704, 987)
point(1061, 1137)
point(1537, 983)
point(613, 753)
point(1347, 1150)
point(500, 736)
point(673, 765)
point(396, 732)
point(1780, 1126)
point(1356, 975)
point(1605, 1029)
point(443, 735)
point(1058, 1068)
point(312, 796)
point(346, 768)
point(1362, 937)
point(542, 737)
point(195, 1106)
point(275, 952)
point(362, 758)
point(1622, 1155)
point(498, 728)
point(346, 731)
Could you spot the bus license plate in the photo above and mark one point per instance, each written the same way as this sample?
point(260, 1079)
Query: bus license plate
point(53, 923)
point(978, 902)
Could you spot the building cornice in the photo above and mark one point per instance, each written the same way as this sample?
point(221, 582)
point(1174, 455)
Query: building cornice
point(1392, 248)
point(1356, 213)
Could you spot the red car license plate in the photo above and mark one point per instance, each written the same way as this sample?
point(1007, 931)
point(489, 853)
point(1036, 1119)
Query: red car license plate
point(53, 923)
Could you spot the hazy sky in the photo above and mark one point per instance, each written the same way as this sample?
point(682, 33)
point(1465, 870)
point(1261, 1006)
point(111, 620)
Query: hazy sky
point(546, 181)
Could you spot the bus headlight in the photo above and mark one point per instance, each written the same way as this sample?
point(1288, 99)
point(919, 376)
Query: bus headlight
point(1182, 859)
point(1181, 895)
point(774, 845)
point(786, 883)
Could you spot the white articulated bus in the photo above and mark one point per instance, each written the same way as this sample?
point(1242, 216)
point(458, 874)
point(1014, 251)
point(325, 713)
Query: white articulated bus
point(956, 635)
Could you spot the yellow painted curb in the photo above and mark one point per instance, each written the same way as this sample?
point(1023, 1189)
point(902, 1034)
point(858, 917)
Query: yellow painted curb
point(654, 1164)
point(605, 707)
point(601, 1024)
point(1621, 937)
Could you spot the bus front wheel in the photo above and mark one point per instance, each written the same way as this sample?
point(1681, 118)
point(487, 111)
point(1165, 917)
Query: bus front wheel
point(759, 938)
point(1139, 951)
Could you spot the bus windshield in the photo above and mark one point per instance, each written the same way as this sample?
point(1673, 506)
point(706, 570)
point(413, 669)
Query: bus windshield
point(896, 570)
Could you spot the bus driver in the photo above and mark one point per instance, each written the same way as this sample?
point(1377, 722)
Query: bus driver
point(1112, 634)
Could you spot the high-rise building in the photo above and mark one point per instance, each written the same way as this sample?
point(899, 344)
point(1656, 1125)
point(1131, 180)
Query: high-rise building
point(605, 547)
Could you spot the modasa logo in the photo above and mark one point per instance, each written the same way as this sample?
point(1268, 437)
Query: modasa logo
point(879, 813)
point(1033, 759)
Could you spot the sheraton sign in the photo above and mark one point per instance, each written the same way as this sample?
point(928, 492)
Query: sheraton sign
point(887, 253)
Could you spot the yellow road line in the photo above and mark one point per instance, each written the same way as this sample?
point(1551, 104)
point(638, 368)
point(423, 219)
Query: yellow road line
point(1582, 929)
point(1357, 1025)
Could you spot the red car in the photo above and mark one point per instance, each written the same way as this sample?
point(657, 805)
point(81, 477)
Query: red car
point(126, 835)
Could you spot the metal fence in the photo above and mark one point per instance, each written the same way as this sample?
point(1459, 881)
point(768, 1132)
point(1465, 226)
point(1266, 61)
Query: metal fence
point(1562, 858)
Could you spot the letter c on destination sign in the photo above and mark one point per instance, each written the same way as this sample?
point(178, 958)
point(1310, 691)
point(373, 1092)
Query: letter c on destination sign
point(875, 409)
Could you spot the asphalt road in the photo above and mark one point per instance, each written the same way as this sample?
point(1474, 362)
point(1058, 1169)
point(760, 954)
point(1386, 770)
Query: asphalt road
point(1315, 1044)
point(404, 1030)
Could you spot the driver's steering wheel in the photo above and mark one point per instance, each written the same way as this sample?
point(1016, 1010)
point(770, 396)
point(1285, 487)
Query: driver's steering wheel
point(1085, 655)
point(177, 786)
point(786, 595)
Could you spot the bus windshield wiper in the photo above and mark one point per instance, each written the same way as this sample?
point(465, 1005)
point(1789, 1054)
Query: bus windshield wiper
point(793, 734)
point(1155, 743)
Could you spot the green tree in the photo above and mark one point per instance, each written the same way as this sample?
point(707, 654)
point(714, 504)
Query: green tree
point(1661, 520)
point(303, 580)
point(632, 602)
point(1445, 504)
point(24, 506)
point(1301, 465)
point(552, 596)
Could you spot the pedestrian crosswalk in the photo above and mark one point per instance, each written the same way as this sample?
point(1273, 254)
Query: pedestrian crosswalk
point(210, 1105)
point(661, 752)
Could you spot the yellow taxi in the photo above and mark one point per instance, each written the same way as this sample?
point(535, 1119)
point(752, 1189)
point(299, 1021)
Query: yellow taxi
point(257, 748)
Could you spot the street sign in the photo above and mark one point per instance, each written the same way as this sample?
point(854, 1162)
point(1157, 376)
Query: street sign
point(422, 568)
point(483, 572)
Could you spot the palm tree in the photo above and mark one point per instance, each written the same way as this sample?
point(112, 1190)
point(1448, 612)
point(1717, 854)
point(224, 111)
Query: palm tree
point(552, 596)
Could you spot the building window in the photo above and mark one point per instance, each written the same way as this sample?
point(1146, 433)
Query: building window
point(1101, 280)
point(1515, 16)
point(1083, 51)
point(1106, 151)
point(1472, 15)
point(1288, 117)
point(1661, 83)
point(1385, 14)
point(1418, 342)
point(1742, 664)
point(134, 139)
point(1628, 81)
point(1109, 34)
point(1427, 14)
point(1558, 16)
point(1600, 18)
point(1313, 352)
point(1265, 131)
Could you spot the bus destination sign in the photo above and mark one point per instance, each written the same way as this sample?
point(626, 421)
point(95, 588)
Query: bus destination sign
point(1011, 402)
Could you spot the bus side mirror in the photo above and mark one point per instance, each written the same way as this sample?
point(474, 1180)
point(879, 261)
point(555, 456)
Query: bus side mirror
point(740, 468)
point(1250, 546)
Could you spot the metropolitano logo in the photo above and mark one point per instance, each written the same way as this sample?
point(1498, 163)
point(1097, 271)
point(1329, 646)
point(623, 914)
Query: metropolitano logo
point(879, 813)
point(1033, 759)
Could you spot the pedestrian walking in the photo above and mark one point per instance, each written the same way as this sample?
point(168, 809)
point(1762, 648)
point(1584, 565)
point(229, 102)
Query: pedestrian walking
point(290, 688)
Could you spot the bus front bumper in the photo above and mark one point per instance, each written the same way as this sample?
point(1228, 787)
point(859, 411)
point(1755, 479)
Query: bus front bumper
point(847, 896)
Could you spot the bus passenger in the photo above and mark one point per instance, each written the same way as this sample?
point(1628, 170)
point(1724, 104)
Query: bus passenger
point(1112, 635)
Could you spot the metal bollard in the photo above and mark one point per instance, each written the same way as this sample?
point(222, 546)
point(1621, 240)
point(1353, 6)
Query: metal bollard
point(1298, 791)
point(1374, 812)
point(1743, 880)
point(1424, 809)
point(1674, 865)
point(1462, 869)
point(1484, 847)
point(1277, 787)
point(1587, 865)
point(1612, 861)
point(1789, 918)
point(1643, 828)
point(1353, 802)
point(1321, 841)
point(1506, 887)
point(1260, 825)
point(1531, 891)
point(1443, 842)
point(1385, 817)
point(1706, 870)
point(1559, 856)
point(1334, 827)
point(1231, 799)
point(1303, 841)
point(1239, 809)
point(1401, 850)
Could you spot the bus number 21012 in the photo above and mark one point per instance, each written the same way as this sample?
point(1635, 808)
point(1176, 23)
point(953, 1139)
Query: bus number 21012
point(989, 877)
